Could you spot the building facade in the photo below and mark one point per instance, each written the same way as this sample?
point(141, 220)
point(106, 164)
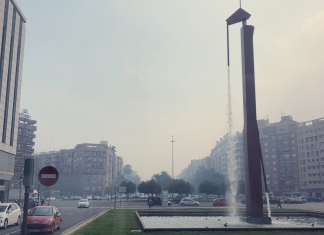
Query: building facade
point(92, 164)
point(25, 146)
point(12, 34)
point(220, 155)
point(280, 155)
point(311, 157)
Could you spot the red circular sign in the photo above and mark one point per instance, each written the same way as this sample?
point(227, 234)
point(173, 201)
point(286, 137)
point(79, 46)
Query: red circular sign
point(48, 176)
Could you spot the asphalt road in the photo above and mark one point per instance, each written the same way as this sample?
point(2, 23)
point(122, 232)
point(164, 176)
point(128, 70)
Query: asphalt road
point(74, 217)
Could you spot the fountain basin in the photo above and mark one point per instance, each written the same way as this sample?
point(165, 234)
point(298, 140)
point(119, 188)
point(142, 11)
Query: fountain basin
point(215, 221)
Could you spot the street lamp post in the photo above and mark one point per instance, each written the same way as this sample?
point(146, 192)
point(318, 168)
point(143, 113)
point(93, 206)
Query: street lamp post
point(20, 179)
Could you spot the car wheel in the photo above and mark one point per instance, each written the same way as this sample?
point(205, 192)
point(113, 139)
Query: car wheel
point(18, 220)
point(217, 205)
point(182, 204)
point(5, 224)
point(52, 230)
point(196, 204)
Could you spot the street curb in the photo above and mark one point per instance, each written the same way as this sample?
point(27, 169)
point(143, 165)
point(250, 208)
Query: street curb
point(78, 226)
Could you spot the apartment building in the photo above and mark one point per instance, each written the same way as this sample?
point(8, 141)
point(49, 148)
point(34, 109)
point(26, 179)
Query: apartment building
point(12, 43)
point(92, 163)
point(220, 154)
point(311, 157)
point(279, 147)
point(25, 146)
point(194, 165)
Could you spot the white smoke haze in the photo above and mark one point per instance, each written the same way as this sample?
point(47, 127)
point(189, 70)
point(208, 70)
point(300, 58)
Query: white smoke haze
point(135, 73)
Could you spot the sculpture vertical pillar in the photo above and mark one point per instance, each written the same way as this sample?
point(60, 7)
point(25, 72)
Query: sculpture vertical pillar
point(251, 141)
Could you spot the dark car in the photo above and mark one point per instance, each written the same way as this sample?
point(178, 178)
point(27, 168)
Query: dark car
point(177, 199)
point(156, 200)
point(243, 200)
point(65, 198)
point(314, 199)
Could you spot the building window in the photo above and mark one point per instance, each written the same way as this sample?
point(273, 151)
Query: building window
point(273, 156)
point(274, 169)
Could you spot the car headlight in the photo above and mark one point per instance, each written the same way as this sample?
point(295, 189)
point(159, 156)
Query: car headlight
point(48, 221)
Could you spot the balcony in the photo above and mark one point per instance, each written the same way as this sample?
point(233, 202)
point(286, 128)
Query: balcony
point(27, 126)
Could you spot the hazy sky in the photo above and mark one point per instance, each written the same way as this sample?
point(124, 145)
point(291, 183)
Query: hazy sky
point(135, 72)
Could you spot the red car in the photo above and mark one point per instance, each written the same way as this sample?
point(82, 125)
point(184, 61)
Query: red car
point(43, 219)
point(221, 202)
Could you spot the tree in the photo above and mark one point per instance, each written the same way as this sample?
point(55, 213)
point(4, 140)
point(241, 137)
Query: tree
point(180, 187)
point(163, 178)
point(149, 187)
point(127, 170)
point(208, 187)
point(130, 187)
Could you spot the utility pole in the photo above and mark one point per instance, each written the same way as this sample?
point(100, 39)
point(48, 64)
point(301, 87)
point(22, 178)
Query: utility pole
point(172, 158)
point(112, 173)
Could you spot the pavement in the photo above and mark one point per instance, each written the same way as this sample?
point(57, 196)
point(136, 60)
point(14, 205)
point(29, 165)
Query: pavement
point(74, 218)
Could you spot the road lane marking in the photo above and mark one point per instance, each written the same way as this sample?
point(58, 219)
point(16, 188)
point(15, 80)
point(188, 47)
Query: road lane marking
point(12, 232)
point(83, 223)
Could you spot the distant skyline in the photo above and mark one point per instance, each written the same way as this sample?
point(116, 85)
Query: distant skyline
point(134, 73)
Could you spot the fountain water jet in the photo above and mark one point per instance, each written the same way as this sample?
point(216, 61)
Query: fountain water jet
point(232, 164)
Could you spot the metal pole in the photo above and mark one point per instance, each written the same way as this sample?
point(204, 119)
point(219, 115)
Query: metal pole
point(24, 226)
point(48, 196)
point(38, 191)
point(115, 198)
point(172, 159)
point(20, 193)
point(112, 171)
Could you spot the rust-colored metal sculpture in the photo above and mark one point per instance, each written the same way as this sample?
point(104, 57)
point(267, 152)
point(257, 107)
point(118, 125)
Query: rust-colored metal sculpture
point(251, 141)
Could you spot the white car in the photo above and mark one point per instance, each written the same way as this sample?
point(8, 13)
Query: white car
point(188, 202)
point(89, 197)
point(194, 197)
point(10, 213)
point(83, 203)
point(50, 199)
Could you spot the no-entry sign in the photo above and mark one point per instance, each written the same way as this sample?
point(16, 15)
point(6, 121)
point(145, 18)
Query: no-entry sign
point(48, 176)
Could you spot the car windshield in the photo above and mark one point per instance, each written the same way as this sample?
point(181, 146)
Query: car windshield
point(3, 208)
point(41, 211)
point(83, 200)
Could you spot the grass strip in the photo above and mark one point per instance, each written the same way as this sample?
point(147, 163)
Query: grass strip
point(122, 221)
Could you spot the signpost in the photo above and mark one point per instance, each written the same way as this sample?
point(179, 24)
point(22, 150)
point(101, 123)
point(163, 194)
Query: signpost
point(48, 176)
point(28, 182)
point(121, 190)
point(165, 198)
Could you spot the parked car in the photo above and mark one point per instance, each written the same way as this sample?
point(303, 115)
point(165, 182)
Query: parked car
point(314, 199)
point(10, 213)
point(135, 197)
point(287, 200)
point(188, 202)
point(43, 219)
point(50, 199)
point(95, 197)
point(83, 203)
point(65, 198)
point(194, 197)
point(294, 200)
point(304, 199)
point(221, 202)
point(156, 200)
point(113, 197)
point(177, 199)
point(89, 197)
point(74, 198)
point(243, 200)
point(104, 198)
